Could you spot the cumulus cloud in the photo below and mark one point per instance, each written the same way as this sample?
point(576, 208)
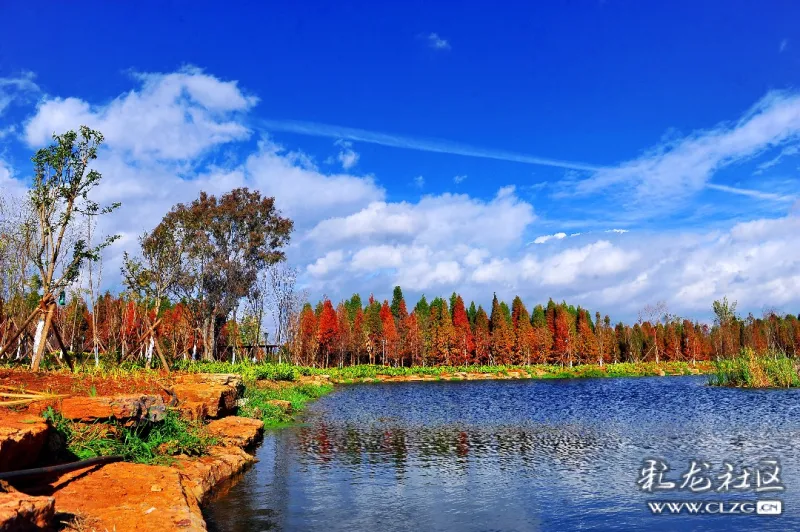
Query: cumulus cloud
point(459, 179)
point(302, 190)
point(169, 116)
point(328, 262)
point(419, 181)
point(445, 219)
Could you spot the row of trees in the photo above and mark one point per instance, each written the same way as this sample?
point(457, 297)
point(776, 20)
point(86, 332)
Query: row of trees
point(451, 333)
point(204, 281)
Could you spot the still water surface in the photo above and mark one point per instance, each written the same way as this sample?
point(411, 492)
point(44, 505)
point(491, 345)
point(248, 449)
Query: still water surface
point(513, 455)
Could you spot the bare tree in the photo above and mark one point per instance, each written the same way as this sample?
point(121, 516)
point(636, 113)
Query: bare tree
point(94, 281)
point(655, 314)
point(283, 300)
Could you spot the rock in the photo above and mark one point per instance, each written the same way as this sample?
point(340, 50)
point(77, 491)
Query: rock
point(121, 497)
point(317, 380)
point(19, 511)
point(207, 395)
point(205, 474)
point(22, 437)
point(236, 431)
point(286, 406)
point(121, 407)
point(194, 410)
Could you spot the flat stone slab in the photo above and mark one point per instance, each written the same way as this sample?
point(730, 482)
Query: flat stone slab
point(19, 511)
point(121, 407)
point(22, 437)
point(130, 498)
point(236, 431)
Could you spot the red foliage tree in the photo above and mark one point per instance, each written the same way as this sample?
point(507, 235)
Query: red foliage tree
point(464, 342)
point(327, 331)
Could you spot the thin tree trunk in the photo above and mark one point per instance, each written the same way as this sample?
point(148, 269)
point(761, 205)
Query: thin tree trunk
point(39, 342)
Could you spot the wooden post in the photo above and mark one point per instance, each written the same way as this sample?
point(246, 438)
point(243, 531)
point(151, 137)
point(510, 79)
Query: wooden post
point(20, 330)
point(64, 351)
point(160, 353)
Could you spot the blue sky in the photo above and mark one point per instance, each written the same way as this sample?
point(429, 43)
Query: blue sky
point(439, 146)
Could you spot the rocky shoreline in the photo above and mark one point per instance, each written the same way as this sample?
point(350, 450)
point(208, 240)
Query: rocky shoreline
point(125, 496)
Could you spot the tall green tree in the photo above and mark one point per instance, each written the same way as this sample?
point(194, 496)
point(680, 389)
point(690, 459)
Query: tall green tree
point(397, 300)
point(60, 190)
point(225, 243)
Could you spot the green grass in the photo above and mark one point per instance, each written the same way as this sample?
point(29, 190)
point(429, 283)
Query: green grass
point(248, 370)
point(362, 373)
point(256, 401)
point(147, 443)
point(750, 371)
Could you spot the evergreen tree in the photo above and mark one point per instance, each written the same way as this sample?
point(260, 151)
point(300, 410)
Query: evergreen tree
point(397, 300)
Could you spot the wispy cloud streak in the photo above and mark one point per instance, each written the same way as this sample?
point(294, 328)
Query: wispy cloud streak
point(416, 143)
point(751, 193)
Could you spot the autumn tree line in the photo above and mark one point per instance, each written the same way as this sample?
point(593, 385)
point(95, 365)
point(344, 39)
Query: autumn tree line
point(210, 278)
point(447, 332)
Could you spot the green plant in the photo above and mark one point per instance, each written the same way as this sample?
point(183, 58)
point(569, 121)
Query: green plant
point(144, 443)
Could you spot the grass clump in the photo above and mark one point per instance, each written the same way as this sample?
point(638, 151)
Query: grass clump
point(747, 370)
point(260, 402)
point(146, 442)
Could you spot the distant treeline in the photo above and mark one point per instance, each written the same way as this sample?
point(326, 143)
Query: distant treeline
point(446, 331)
point(439, 332)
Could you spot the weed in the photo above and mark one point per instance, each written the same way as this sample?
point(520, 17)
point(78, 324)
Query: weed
point(751, 371)
point(146, 442)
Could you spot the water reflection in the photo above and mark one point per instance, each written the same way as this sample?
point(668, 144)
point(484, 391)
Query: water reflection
point(507, 456)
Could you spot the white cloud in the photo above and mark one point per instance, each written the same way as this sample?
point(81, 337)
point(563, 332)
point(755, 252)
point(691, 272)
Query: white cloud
point(347, 157)
point(17, 88)
point(785, 152)
point(443, 220)
point(752, 193)
point(10, 186)
point(544, 238)
point(437, 43)
point(618, 231)
point(459, 179)
point(304, 192)
point(677, 169)
point(170, 116)
point(328, 262)
point(419, 181)
point(783, 45)
point(415, 143)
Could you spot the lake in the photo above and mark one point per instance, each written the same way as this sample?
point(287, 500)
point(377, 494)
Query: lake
point(521, 455)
